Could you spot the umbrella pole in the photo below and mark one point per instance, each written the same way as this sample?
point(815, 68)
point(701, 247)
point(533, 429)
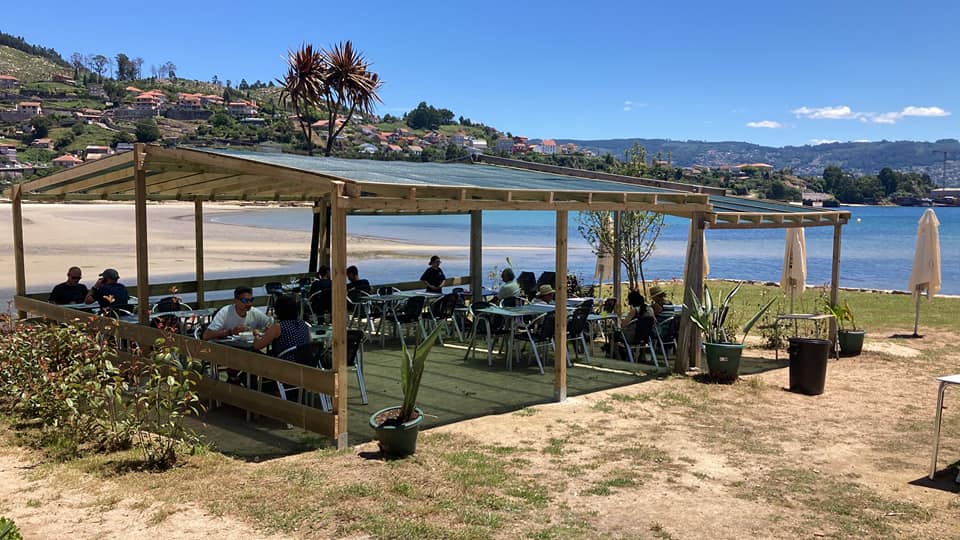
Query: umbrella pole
point(916, 318)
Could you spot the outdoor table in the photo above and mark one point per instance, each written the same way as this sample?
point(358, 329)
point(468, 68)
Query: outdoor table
point(514, 315)
point(186, 319)
point(944, 382)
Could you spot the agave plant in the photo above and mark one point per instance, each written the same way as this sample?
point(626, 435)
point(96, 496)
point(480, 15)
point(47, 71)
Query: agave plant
point(411, 371)
point(711, 318)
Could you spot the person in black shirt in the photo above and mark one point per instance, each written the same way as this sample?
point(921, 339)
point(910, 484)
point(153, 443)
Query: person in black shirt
point(433, 277)
point(70, 291)
point(354, 281)
point(322, 282)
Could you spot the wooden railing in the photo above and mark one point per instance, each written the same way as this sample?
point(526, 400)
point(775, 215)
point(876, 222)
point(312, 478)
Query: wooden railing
point(256, 364)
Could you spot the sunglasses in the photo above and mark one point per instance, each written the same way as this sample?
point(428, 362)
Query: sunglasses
point(245, 300)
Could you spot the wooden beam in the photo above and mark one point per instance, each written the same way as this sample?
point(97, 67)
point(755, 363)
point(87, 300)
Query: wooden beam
point(198, 248)
point(835, 278)
point(560, 320)
point(16, 197)
point(688, 349)
point(476, 255)
point(339, 317)
point(140, 218)
point(95, 183)
point(313, 260)
point(373, 204)
point(78, 172)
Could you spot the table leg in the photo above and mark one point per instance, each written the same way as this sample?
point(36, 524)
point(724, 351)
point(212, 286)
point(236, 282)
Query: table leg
point(936, 429)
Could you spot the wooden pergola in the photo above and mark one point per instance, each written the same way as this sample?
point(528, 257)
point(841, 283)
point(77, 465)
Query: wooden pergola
point(337, 187)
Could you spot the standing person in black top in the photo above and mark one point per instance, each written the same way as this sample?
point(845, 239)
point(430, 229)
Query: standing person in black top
point(70, 291)
point(433, 277)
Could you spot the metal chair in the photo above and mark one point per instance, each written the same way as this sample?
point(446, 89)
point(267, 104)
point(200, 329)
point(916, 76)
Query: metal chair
point(410, 313)
point(538, 332)
point(577, 329)
point(496, 328)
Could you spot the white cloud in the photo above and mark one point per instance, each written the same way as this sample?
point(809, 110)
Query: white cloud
point(823, 141)
point(844, 112)
point(628, 105)
point(765, 124)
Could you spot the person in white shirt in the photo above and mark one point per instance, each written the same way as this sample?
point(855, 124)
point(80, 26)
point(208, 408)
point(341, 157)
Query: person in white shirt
point(545, 295)
point(239, 317)
point(510, 288)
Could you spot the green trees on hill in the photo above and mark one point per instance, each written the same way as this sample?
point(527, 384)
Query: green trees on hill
point(428, 117)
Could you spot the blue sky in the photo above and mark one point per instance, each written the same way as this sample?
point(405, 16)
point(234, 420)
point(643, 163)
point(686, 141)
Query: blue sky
point(770, 72)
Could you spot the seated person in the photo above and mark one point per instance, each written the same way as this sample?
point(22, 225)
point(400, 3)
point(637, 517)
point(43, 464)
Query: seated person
point(658, 299)
point(354, 281)
point(640, 318)
point(545, 295)
point(70, 291)
point(239, 317)
point(108, 291)
point(433, 277)
point(323, 282)
point(288, 331)
point(510, 288)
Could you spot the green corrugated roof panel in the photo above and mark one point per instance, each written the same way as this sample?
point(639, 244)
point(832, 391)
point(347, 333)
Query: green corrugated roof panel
point(407, 173)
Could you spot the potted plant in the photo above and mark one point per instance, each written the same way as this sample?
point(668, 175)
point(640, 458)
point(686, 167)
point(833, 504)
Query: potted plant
point(850, 339)
point(722, 351)
point(397, 427)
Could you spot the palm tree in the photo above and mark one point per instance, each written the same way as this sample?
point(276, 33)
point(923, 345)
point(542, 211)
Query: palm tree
point(349, 85)
point(304, 86)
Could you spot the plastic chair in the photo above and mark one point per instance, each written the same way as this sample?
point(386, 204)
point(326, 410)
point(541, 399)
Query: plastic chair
point(273, 290)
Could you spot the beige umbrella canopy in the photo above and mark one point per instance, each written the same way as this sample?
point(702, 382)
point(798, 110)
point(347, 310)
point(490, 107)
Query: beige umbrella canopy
point(925, 276)
point(793, 279)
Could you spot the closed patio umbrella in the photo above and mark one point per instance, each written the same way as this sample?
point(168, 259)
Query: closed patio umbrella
point(605, 262)
point(794, 275)
point(925, 276)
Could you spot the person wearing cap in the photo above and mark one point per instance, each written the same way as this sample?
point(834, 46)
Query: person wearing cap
point(658, 299)
point(433, 277)
point(70, 291)
point(545, 294)
point(108, 291)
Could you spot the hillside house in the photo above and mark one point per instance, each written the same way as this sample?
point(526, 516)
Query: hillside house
point(208, 100)
point(88, 116)
point(521, 140)
point(520, 148)
point(414, 150)
point(568, 149)
point(148, 104)
point(504, 144)
point(93, 152)
point(29, 108)
point(459, 139)
point(96, 90)
point(242, 108)
point(9, 81)
point(321, 125)
point(44, 143)
point(367, 148)
point(548, 147)
point(67, 161)
point(367, 130)
point(394, 148)
point(189, 102)
point(8, 152)
point(65, 79)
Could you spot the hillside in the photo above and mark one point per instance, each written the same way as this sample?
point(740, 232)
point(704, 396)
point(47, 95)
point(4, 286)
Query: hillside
point(858, 157)
point(28, 67)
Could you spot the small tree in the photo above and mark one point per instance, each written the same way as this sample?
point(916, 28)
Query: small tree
point(639, 232)
point(147, 131)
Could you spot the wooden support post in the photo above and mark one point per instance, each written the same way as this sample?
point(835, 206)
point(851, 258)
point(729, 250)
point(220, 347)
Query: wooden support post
point(688, 350)
point(198, 242)
point(617, 254)
point(339, 316)
point(476, 255)
point(315, 240)
point(835, 278)
point(140, 218)
point(323, 212)
point(560, 299)
point(20, 274)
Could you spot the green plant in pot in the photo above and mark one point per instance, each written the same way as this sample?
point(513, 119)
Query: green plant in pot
point(723, 351)
point(397, 427)
point(850, 338)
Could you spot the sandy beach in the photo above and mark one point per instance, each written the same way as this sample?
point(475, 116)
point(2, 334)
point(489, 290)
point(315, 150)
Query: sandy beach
point(96, 236)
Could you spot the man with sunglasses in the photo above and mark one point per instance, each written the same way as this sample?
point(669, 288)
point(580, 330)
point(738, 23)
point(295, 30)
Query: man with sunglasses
point(70, 291)
point(236, 318)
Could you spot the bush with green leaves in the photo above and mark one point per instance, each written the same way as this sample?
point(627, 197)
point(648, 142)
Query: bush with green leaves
point(9, 529)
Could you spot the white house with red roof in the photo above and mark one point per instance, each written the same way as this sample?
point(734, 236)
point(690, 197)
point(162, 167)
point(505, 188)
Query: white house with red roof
point(548, 147)
point(242, 108)
point(147, 103)
point(458, 139)
point(67, 161)
point(31, 108)
point(9, 81)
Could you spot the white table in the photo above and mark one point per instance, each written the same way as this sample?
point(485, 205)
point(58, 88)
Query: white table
point(944, 382)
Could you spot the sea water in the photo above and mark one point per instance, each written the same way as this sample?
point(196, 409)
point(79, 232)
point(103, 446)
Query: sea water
point(876, 248)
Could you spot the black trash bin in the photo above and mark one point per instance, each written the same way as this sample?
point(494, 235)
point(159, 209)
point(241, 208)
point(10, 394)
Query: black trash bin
point(808, 365)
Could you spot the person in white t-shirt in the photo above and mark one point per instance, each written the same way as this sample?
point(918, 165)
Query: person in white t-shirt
point(239, 317)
